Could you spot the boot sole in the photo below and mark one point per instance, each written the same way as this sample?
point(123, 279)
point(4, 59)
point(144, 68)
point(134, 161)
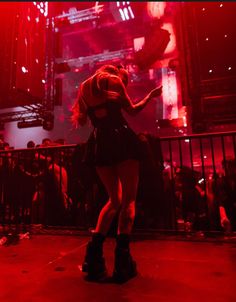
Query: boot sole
point(100, 278)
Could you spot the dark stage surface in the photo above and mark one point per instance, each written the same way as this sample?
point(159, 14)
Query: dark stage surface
point(47, 268)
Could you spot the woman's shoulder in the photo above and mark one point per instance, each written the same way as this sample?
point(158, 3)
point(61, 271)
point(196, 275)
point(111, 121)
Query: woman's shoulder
point(86, 82)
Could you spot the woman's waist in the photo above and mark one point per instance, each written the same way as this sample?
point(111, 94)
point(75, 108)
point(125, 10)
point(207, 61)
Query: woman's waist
point(111, 127)
point(109, 123)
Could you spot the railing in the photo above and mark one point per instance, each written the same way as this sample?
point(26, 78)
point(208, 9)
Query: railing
point(179, 188)
point(201, 173)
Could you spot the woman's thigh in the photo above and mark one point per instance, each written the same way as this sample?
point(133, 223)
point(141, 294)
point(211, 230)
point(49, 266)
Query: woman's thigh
point(128, 173)
point(110, 179)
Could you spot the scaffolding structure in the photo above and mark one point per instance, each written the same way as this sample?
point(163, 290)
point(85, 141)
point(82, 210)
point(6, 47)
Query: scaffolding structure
point(34, 111)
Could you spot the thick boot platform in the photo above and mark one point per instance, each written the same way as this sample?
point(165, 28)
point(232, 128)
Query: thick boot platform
point(94, 264)
point(125, 267)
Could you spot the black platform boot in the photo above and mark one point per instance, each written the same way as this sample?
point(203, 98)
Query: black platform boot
point(94, 263)
point(125, 266)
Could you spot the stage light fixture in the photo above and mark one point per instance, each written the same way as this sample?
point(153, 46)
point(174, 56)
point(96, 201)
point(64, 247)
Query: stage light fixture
point(153, 48)
point(29, 124)
point(42, 7)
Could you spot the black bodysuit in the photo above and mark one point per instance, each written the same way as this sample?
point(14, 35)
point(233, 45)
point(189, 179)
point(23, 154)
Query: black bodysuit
point(112, 140)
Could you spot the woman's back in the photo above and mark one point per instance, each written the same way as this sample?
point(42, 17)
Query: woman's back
point(103, 100)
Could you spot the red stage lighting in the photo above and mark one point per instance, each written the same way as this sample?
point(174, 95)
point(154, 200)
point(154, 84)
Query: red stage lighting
point(42, 7)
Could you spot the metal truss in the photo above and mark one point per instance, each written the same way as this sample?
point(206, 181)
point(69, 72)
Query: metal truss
point(98, 58)
point(76, 16)
point(30, 112)
point(37, 109)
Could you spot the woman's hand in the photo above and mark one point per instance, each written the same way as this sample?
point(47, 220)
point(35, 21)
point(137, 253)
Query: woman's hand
point(155, 92)
point(225, 223)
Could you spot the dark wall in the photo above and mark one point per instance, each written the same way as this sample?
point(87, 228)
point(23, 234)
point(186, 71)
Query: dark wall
point(210, 33)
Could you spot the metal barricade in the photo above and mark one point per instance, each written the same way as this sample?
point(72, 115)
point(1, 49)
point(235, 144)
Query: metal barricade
point(51, 186)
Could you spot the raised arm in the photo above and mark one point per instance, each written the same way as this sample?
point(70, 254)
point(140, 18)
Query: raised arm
point(224, 220)
point(132, 108)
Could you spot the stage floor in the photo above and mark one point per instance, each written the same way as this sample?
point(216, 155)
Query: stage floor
point(47, 268)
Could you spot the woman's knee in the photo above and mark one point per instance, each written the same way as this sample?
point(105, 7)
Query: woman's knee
point(115, 203)
point(128, 212)
point(115, 200)
point(116, 197)
point(128, 206)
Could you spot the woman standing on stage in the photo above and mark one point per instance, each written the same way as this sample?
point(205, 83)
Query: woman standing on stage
point(114, 149)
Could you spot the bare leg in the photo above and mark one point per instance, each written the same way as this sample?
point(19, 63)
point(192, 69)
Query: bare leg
point(124, 265)
point(94, 263)
point(108, 176)
point(128, 172)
